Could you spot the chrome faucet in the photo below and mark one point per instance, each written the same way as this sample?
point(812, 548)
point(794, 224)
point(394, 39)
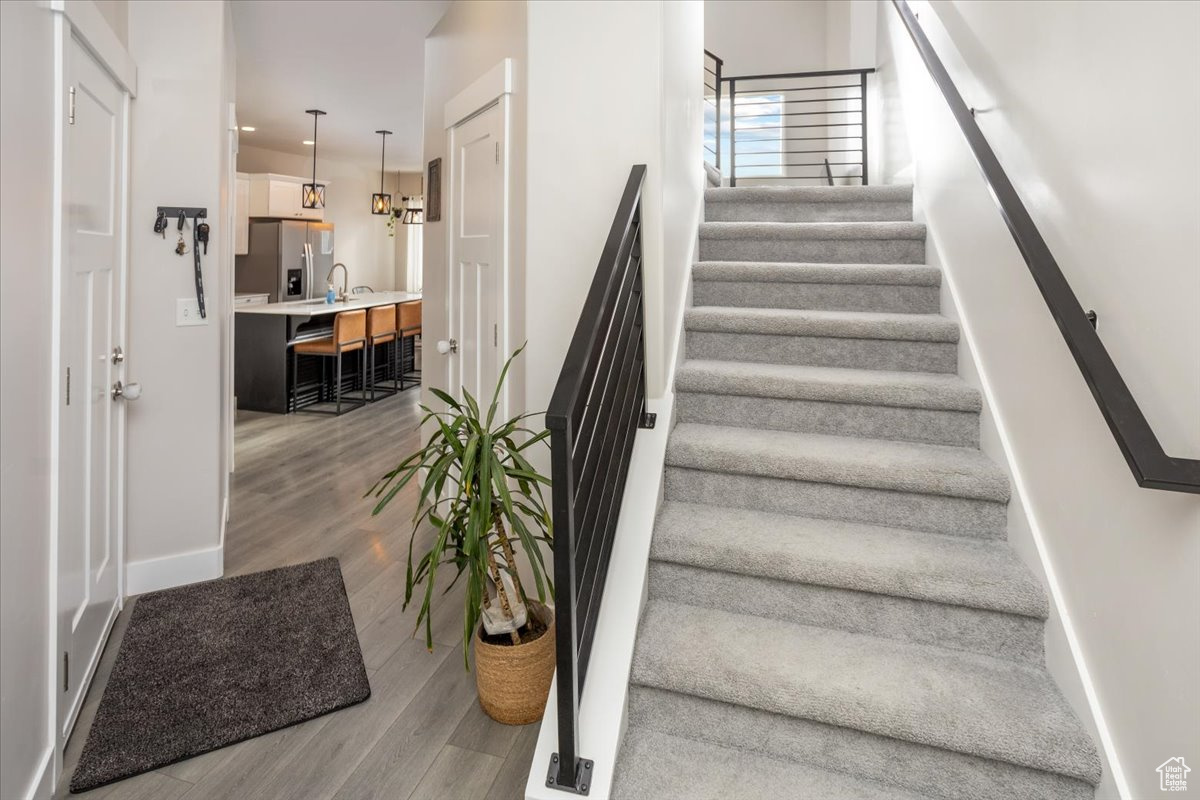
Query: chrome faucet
point(345, 279)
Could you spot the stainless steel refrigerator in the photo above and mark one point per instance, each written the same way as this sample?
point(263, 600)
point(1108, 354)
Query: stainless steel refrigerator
point(287, 259)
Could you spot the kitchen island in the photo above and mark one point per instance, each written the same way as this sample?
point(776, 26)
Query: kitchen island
point(263, 337)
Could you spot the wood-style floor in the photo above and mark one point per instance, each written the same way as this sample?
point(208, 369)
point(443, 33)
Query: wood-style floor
point(297, 496)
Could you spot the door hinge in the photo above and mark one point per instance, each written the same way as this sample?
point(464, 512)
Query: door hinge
point(495, 336)
point(497, 149)
point(71, 106)
point(68, 386)
point(66, 671)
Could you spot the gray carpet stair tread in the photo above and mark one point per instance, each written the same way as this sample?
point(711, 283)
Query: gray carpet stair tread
point(929, 390)
point(809, 194)
point(665, 767)
point(790, 272)
point(957, 701)
point(821, 231)
point(849, 461)
point(935, 771)
point(923, 566)
point(834, 324)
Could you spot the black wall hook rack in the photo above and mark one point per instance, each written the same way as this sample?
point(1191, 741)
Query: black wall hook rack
point(191, 212)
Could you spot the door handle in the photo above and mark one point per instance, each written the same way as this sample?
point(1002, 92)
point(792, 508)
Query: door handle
point(118, 355)
point(444, 346)
point(308, 259)
point(130, 391)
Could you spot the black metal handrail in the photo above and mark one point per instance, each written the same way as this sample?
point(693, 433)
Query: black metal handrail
point(756, 101)
point(712, 96)
point(594, 413)
point(1151, 466)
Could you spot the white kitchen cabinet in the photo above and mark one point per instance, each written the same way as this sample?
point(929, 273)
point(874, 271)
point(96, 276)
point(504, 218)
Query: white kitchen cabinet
point(278, 196)
point(241, 215)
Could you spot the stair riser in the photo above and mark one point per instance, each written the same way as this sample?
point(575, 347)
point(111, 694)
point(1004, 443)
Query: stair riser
point(816, 251)
point(929, 771)
point(989, 633)
point(824, 351)
point(842, 419)
point(808, 212)
point(818, 296)
point(957, 516)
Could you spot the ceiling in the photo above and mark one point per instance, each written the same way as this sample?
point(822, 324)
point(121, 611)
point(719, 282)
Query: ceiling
point(361, 61)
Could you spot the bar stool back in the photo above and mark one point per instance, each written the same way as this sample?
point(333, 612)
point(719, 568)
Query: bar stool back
point(349, 335)
point(408, 322)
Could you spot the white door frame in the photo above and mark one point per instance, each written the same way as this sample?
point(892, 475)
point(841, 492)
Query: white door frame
point(492, 88)
point(81, 20)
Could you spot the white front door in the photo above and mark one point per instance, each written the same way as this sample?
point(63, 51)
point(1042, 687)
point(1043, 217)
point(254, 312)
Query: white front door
point(477, 241)
point(90, 418)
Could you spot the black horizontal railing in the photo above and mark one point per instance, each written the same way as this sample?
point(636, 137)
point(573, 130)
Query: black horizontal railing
point(794, 126)
point(712, 109)
point(1151, 466)
point(598, 404)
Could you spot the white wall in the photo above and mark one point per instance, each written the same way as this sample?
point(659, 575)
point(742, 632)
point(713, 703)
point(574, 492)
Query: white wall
point(178, 141)
point(116, 14)
point(762, 37)
point(850, 34)
point(587, 127)
point(472, 38)
point(361, 239)
point(26, 204)
point(681, 121)
point(1121, 561)
point(643, 108)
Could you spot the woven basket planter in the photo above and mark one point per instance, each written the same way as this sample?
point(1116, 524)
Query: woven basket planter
point(514, 680)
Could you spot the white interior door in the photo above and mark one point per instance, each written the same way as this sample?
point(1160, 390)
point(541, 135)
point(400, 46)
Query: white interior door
point(477, 246)
point(90, 419)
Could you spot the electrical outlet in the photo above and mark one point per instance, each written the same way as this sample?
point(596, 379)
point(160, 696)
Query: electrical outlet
point(187, 312)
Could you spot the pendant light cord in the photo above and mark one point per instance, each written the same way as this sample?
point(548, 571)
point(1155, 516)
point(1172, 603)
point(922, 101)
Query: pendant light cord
point(382, 153)
point(314, 177)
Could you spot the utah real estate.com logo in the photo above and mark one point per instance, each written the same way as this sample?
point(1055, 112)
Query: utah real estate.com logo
point(1172, 775)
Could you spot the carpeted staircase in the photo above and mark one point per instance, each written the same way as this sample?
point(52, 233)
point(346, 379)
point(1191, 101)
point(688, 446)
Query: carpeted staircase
point(833, 609)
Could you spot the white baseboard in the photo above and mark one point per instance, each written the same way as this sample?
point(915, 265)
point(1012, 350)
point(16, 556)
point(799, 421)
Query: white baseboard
point(153, 574)
point(41, 785)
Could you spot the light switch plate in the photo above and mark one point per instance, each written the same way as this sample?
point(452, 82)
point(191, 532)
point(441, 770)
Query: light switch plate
point(187, 312)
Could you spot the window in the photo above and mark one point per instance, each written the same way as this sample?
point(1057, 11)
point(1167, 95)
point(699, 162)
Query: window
point(759, 135)
point(414, 256)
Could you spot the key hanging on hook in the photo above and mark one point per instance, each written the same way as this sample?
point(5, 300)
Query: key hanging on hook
point(202, 233)
point(182, 220)
point(160, 224)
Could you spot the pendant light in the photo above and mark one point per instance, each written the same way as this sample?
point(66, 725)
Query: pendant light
point(414, 212)
point(381, 203)
point(312, 195)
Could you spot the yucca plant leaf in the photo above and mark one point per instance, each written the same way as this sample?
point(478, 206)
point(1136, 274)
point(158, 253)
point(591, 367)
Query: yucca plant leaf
point(475, 489)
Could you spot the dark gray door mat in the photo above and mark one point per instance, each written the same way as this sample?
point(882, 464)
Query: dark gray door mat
point(215, 663)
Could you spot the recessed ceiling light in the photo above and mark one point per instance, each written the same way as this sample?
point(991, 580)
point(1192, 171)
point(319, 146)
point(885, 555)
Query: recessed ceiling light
point(308, 142)
point(249, 128)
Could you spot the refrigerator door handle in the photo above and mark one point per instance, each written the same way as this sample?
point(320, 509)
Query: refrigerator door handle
point(308, 294)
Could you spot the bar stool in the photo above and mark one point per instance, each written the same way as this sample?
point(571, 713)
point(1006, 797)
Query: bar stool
point(381, 329)
point(349, 335)
point(408, 322)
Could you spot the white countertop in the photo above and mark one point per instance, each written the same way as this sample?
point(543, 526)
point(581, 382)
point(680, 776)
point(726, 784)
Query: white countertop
point(316, 308)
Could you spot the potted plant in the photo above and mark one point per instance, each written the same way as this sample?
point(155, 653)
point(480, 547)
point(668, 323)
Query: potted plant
point(480, 494)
